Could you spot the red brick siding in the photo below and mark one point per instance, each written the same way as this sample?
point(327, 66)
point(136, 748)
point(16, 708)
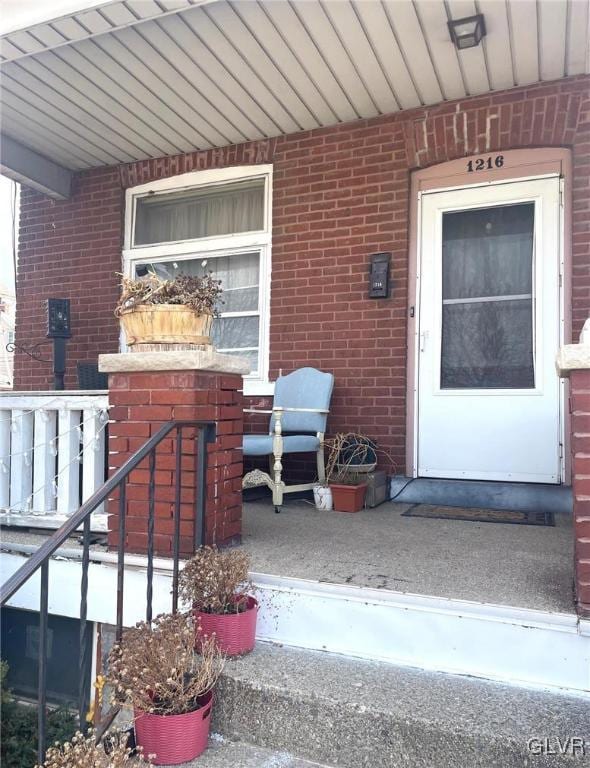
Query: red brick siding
point(580, 408)
point(340, 194)
point(142, 403)
point(72, 250)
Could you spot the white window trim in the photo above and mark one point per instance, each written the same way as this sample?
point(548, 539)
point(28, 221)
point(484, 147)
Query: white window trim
point(211, 247)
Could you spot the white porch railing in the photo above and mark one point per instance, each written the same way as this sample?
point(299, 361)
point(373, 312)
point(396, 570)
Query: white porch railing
point(52, 455)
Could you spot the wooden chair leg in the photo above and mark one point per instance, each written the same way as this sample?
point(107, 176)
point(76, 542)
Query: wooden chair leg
point(321, 465)
point(277, 467)
point(277, 490)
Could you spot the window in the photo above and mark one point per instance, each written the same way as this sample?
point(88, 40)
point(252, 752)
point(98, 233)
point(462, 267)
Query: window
point(20, 648)
point(215, 221)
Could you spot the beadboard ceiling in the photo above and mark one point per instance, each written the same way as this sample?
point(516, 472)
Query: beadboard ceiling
point(144, 78)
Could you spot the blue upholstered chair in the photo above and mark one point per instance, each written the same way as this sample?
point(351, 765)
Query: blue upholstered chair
point(297, 425)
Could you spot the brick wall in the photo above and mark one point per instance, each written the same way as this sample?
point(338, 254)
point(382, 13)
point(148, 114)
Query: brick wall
point(339, 194)
point(72, 250)
point(142, 403)
point(580, 409)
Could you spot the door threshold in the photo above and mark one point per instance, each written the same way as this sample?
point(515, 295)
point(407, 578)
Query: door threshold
point(486, 494)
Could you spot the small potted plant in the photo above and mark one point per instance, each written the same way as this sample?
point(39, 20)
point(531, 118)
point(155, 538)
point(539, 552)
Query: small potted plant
point(350, 456)
point(154, 669)
point(322, 496)
point(217, 586)
point(83, 752)
point(154, 310)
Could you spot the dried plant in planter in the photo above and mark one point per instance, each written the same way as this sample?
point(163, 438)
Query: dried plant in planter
point(351, 456)
point(153, 668)
point(200, 294)
point(348, 452)
point(83, 752)
point(217, 582)
point(348, 478)
point(217, 587)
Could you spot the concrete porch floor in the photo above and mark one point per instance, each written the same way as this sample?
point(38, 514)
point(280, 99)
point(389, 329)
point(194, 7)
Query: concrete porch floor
point(522, 566)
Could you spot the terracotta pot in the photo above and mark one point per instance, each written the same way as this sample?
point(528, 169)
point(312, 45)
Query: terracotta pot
point(235, 633)
point(165, 324)
point(348, 498)
point(174, 739)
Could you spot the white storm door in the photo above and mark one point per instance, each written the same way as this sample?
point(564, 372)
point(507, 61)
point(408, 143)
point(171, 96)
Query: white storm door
point(489, 329)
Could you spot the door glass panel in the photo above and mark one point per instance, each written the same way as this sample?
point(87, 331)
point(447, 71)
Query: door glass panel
point(487, 296)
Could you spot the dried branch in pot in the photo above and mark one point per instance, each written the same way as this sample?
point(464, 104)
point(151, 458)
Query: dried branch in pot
point(347, 452)
point(217, 581)
point(350, 456)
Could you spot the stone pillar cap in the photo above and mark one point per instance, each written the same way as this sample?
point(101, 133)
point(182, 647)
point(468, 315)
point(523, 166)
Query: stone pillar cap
point(575, 357)
point(178, 360)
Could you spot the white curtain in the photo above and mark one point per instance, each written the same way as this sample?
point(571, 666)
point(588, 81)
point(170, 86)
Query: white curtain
point(487, 335)
point(202, 212)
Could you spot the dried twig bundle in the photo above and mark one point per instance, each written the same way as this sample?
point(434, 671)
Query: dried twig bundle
point(154, 668)
point(83, 752)
point(357, 448)
point(346, 452)
point(201, 294)
point(217, 581)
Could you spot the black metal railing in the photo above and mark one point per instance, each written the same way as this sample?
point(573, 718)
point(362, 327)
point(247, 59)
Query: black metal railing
point(205, 433)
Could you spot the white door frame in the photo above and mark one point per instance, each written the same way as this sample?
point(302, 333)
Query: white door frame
point(450, 176)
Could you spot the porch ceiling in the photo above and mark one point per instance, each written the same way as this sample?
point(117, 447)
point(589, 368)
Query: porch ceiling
point(145, 78)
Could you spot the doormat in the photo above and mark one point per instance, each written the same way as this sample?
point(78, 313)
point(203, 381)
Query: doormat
point(476, 515)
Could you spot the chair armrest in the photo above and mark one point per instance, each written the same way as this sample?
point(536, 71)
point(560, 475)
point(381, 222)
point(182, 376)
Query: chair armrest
point(255, 410)
point(298, 410)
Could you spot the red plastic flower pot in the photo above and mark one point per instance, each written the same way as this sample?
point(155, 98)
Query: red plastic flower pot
point(348, 498)
point(174, 739)
point(235, 633)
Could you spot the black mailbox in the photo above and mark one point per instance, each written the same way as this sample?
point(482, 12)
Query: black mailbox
point(379, 276)
point(58, 329)
point(58, 319)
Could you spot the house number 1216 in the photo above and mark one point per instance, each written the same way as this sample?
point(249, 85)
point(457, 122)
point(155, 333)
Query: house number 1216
point(485, 164)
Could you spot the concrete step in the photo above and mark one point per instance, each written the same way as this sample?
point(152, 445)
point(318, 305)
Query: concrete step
point(222, 753)
point(356, 713)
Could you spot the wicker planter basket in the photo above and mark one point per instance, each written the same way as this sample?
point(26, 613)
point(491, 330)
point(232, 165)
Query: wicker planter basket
point(174, 739)
point(235, 633)
point(165, 324)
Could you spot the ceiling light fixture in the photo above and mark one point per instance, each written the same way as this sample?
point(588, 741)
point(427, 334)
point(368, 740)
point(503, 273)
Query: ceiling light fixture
point(467, 32)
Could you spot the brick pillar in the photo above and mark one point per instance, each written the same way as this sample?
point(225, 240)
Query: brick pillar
point(580, 415)
point(574, 361)
point(146, 390)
